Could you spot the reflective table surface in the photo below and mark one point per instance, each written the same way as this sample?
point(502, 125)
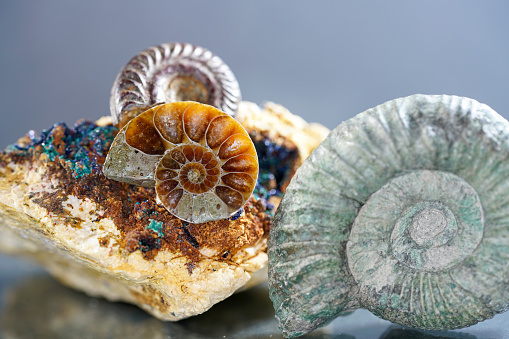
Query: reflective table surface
point(34, 305)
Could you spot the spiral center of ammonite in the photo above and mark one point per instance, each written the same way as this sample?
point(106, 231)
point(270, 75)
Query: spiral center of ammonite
point(427, 224)
point(195, 172)
point(425, 220)
point(192, 168)
point(187, 88)
point(421, 227)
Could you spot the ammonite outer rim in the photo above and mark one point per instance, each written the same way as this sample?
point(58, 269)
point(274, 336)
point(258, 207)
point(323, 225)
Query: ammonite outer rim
point(356, 160)
point(133, 85)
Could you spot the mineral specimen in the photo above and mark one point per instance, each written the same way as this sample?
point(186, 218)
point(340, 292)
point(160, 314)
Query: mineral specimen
point(113, 240)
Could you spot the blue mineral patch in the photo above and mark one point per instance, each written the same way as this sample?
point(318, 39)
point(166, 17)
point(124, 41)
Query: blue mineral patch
point(236, 215)
point(156, 227)
point(276, 164)
point(80, 146)
point(275, 161)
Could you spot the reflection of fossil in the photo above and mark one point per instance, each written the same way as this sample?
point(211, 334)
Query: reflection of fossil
point(401, 210)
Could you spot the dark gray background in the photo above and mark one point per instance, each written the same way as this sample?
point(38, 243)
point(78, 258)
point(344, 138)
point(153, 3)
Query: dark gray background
point(325, 60)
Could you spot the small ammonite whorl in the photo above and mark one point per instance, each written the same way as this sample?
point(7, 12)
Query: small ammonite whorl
point(403, 210)
point(201, 161)
point(172, 72)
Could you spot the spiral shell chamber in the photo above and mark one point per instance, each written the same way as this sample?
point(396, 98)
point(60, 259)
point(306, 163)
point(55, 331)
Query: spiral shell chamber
point(405, 215)
point(172, 72)
point(201, 161)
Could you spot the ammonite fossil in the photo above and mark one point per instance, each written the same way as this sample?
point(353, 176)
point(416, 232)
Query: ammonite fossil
point(402, 210)
point(173, 72)
point(201, 161)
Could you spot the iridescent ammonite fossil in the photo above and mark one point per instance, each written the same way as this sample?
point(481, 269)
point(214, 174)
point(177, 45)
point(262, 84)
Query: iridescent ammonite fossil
point(403, 210)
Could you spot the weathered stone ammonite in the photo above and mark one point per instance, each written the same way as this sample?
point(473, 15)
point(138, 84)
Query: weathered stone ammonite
point(172, 72)
point(402, 210)
point(201, 161)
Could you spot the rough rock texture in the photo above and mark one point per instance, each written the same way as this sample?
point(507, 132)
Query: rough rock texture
point(113, 240)
point(406, 215)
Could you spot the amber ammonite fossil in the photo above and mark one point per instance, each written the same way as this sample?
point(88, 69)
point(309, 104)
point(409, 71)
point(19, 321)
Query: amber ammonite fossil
point(201, 161)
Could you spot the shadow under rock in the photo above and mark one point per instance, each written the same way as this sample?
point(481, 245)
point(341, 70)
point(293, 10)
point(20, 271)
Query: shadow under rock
point(40, 307)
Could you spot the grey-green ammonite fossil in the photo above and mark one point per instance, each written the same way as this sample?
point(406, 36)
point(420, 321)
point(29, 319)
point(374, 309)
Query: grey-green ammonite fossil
point(403, 210)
